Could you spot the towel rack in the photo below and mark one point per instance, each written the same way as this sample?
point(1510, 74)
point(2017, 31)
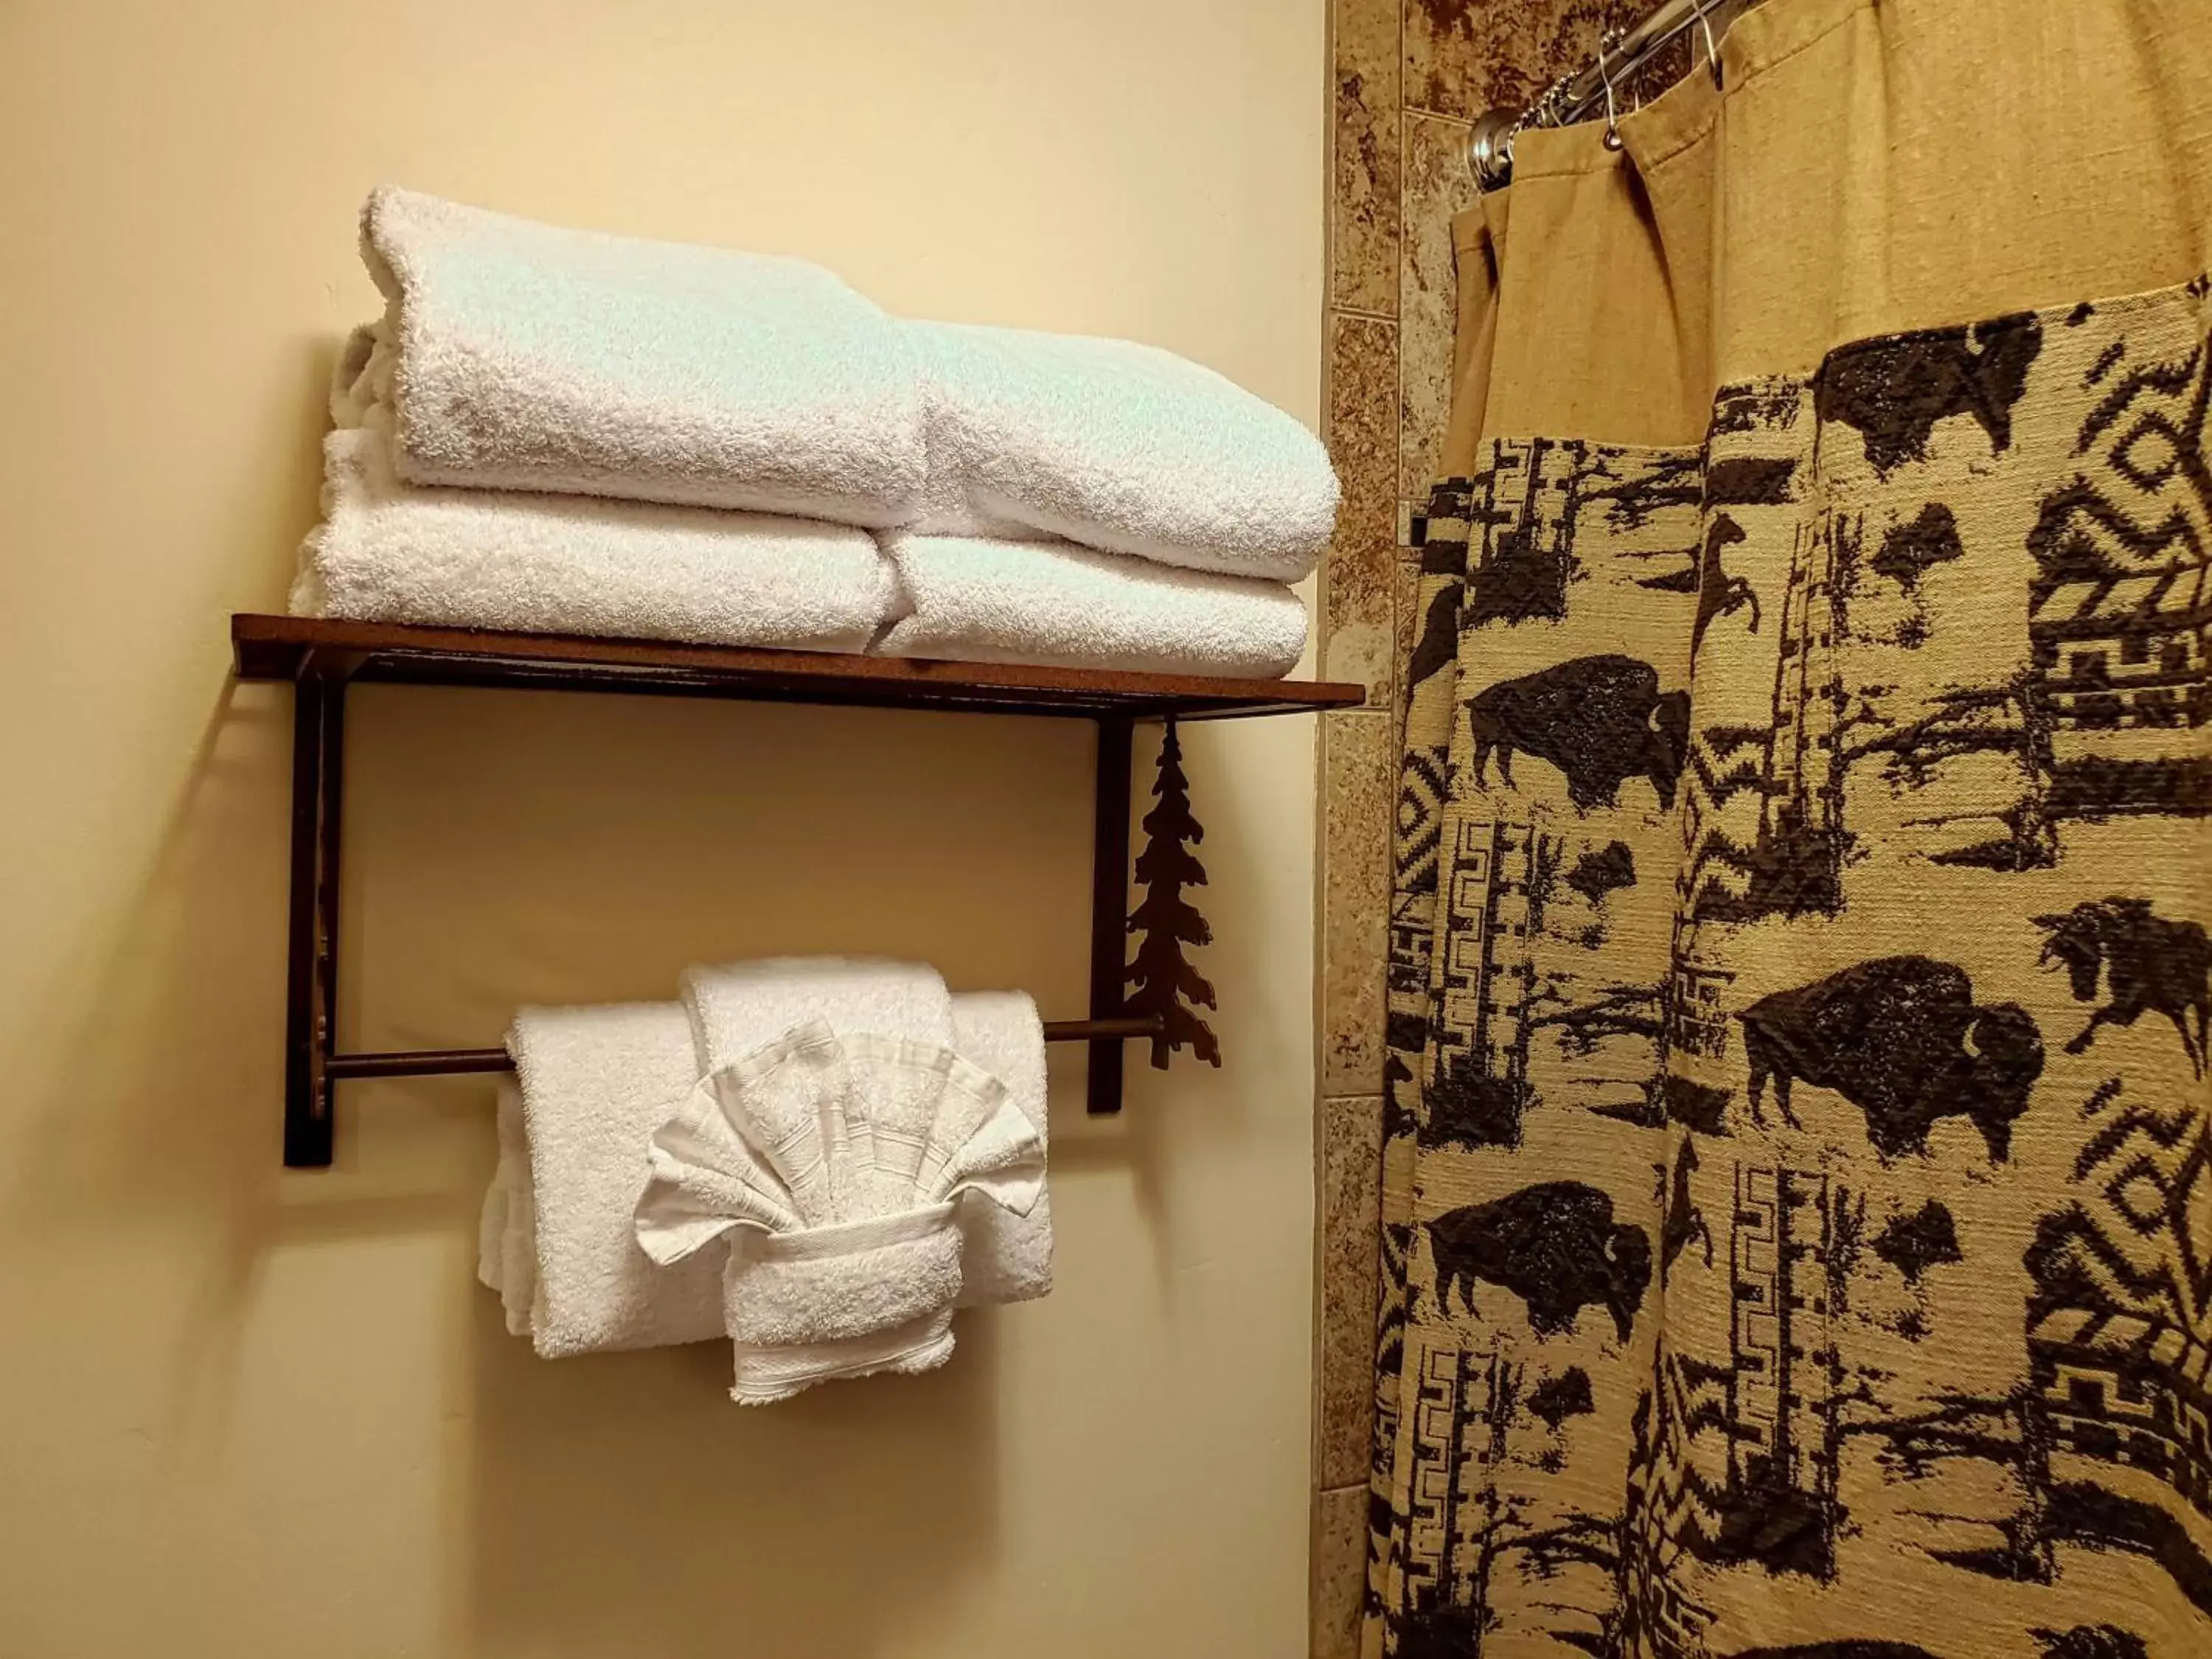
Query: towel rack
point(322, 659)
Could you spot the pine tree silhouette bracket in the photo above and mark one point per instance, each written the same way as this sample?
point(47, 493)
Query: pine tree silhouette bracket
point(1164, 986)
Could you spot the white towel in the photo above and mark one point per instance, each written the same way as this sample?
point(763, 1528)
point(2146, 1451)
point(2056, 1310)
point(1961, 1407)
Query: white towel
point(1006, 1257)
point(598, 1074)
point(844, 1251)
point(523, 356)
point(594, 1084)
point(507, 1236)
point(737, 1007)
point(390, 551)
point(973, 599)
point(1120, 446)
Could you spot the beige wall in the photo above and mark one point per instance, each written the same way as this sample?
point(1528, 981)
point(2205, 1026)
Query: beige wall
point(247, 1413)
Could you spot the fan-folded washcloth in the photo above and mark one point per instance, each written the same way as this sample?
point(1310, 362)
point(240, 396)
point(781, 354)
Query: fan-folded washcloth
point(975, 599)
point(594, 1084)
point(1121, 447)
point(1005, 1257)
point(390, 551)
point(836, 1164)
point(517, 355)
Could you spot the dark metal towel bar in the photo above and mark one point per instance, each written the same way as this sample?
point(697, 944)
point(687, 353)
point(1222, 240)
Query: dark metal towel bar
point(453, 1062)
point(322, 660)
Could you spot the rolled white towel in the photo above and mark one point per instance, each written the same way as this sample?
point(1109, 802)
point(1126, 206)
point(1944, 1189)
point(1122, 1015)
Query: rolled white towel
point(390, 551)
point(1121, 447)
point(974, 599)
point(523, 356)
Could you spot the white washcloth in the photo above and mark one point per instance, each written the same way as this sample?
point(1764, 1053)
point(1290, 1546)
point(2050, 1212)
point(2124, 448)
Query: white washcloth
point(390, 551)
point(736, 1008)
point(594, 1084)
point(973, 599)
point(1006, 1257)
point(1120, 446)
point(506, 1235)
point(834, 1163)
point(523, 356)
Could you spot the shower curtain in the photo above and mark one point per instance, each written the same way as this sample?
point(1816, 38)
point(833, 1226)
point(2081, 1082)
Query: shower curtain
point(1798, 1173)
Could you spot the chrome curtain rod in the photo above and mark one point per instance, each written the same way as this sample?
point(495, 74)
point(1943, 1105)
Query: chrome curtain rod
point(1598, 90)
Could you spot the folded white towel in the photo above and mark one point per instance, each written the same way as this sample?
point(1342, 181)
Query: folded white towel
point(523, 356)
point(833, 1163)
point(1006, 1257)
point(595, 1083)
point(1121, 447)
point(973, 599)
point(391, 551)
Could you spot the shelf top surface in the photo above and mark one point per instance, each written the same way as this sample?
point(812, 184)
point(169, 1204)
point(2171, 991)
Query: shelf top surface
point(268, 648)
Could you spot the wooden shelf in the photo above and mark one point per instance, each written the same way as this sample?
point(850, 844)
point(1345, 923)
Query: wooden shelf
point(295, 647)
point(321, 660)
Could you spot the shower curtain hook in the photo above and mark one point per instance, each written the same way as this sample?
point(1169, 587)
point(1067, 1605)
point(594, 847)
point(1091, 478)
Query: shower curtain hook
point(1613, 140)
point(1712, 51)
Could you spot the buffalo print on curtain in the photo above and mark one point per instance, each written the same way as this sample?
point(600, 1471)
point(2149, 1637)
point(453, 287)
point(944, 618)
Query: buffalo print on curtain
point(1798, 1223)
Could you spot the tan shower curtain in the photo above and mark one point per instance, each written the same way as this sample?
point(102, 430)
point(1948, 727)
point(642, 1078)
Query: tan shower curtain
point(1798, 1183)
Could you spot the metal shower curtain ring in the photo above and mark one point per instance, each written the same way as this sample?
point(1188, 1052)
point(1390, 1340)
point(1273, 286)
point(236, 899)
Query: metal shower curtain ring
point(1613, 140)
point(1712, 48)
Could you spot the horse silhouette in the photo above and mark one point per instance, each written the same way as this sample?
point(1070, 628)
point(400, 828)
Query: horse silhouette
point(2149, 964)
point(1685, 1220)
point(1720, 594)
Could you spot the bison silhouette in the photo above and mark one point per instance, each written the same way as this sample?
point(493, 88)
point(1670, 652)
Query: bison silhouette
point(1601, 721)
point(2152, 965)
point(1900, 1038)
point(1554, 1245)
point(1897, 389)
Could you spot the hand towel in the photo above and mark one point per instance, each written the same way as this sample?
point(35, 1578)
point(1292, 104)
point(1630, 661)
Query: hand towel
point(1005, 1257)
point(390, 551)
point(594, 1084)
point(1120, 446)
point(973, 599)
point(523, 356)
point(835, 1163)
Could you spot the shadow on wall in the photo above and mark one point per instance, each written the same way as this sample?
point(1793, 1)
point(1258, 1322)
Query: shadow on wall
point(623, 1506)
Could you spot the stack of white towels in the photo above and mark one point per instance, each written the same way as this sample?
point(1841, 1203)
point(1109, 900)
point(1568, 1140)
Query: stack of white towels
point(820, 1158)
point(561, 431)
